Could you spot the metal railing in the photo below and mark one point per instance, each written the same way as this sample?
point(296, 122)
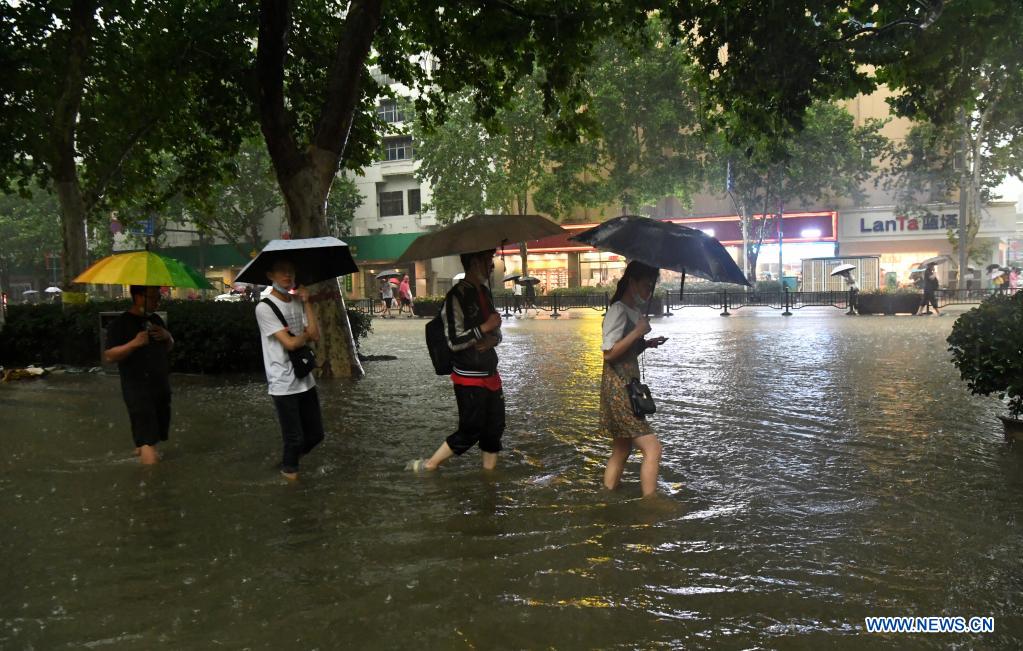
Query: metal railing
point(673, 300)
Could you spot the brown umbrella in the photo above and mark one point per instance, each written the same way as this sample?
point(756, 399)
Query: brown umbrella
point(479, 233)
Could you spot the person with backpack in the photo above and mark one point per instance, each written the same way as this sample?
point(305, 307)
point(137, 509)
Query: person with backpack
point(471, 331)
point(287, 323)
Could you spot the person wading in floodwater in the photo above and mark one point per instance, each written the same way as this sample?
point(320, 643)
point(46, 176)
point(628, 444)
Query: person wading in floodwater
point(623, 343)
point(473, 330)
point(140, 343)
point(295, 398)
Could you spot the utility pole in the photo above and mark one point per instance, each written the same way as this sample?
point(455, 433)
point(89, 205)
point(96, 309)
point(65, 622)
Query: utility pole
point(781, 270)
point(964, 196)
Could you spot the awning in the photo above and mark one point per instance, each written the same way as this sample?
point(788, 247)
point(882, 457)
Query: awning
point(379, 248)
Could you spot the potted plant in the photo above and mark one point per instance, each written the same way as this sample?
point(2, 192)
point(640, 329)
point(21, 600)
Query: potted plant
point(987, 349)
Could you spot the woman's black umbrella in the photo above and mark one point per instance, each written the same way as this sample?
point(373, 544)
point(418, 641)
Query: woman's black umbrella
point(665, 245)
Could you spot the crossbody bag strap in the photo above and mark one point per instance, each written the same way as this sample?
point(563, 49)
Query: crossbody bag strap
point(614, 365)
point(277, 311)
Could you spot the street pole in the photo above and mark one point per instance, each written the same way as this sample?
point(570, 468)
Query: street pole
point(964, 196)
point(781, 270)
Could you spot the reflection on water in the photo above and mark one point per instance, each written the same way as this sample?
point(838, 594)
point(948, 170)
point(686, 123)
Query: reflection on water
point(817, 469)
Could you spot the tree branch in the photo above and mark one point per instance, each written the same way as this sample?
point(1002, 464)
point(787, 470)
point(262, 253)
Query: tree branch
point(271, 49)
point(69, 102)
point(345, 86)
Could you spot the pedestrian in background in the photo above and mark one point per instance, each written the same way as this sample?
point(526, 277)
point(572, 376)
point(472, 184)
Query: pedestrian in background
point(931, 287)
point(405, 296)
point(387, 296)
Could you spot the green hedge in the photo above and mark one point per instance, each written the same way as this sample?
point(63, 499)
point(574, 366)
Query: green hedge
point(209, 337)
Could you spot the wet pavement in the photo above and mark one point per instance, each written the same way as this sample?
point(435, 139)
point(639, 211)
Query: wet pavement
point(817, 469)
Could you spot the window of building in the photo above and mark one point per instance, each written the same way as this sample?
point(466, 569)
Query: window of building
point(391, 111)
point(398, 148)
point(391, 204)
point(414, 205)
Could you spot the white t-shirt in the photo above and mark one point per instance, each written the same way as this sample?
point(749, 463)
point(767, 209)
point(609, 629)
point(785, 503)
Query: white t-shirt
point(280, 373)
point(518, 289)
point(614, 323)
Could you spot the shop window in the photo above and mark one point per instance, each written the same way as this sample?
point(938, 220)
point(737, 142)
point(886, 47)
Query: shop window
point(391, 204)
point(414, 205)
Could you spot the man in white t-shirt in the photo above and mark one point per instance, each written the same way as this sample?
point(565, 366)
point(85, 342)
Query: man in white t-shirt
point(295, 399)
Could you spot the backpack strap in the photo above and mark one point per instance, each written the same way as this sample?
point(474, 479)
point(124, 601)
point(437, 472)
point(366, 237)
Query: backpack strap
point(277, 311)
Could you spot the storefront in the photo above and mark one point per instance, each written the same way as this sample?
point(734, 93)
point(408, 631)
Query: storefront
point(903, 241)
point(560, 262)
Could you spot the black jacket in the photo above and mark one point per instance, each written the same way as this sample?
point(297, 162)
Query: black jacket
point(463, 317)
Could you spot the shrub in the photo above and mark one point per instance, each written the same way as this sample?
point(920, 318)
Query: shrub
point(890, 291)
point(209, 337)
point(987, 349)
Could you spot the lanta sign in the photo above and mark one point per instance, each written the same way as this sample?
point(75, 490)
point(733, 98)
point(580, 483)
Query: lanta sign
point(904, 224)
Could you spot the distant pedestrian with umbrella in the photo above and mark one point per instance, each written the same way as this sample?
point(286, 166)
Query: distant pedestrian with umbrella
point(139, 342)
point(624, 329)
point(405, 296)
point(845, 271)
point(387, 297)
point(931, 287)
point(473, 329)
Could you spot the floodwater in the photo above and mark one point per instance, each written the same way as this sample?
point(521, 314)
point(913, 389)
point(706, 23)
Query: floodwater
point(817, 469)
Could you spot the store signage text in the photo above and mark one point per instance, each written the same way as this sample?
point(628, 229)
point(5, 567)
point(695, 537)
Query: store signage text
point(903, 224)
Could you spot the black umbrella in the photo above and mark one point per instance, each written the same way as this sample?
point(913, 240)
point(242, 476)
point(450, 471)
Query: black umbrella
point(528, 280)
point(390, 273)
point(510, 277)
point(315, 259)
point(665, 245)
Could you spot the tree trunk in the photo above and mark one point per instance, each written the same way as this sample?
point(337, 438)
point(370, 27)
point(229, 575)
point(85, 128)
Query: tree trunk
point(62, 141)
point(305, 177)
point(305, 195)
point(72, 226)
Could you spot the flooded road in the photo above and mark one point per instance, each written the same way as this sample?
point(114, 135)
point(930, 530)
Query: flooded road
point(817, 469)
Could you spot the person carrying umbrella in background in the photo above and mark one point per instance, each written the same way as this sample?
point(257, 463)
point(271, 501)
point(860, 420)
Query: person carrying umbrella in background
point(139, 342)
point(405, 296)
point(623, 342)
point(931, 287)
point(387, 296)
point(845, 271)
point(473, 329)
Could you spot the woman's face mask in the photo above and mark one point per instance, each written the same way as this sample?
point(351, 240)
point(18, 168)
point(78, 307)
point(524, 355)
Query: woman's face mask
point(641, 290)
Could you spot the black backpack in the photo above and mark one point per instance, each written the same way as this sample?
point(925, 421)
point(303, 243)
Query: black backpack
point(437, 344)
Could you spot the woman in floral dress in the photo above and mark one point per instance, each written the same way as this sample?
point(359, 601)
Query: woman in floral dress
point(624, 328)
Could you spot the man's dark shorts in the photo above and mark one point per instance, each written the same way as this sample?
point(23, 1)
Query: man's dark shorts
point(480, 419)
point(150, 419)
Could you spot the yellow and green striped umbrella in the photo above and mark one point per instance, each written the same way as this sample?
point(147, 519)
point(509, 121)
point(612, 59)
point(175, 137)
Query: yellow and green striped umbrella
point(143, 268)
